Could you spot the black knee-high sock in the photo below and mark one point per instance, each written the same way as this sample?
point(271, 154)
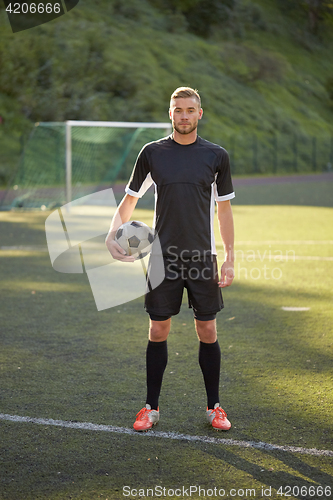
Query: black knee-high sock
point(210, 362)
point(156, 361)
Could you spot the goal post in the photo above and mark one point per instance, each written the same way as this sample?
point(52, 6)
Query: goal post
point(65, 161)
point(84, 123)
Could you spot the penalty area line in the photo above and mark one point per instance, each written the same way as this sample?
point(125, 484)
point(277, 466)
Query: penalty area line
point(87, 426)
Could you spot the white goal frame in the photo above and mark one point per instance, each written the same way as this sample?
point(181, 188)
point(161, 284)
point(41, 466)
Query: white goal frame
point(81, 123)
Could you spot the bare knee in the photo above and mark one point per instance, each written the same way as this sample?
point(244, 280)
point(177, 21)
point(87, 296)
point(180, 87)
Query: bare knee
point(159, 330)
point(206, 331)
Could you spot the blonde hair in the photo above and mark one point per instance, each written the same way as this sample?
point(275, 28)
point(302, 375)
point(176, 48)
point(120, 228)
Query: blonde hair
point(186, 92)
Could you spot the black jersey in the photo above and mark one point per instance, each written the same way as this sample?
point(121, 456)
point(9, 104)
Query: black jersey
point(187, 180)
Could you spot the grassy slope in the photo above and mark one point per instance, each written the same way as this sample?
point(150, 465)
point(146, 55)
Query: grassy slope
point(122, 64)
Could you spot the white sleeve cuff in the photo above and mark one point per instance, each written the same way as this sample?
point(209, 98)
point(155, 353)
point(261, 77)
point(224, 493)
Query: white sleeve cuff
point(225, 197)
point(144, 187)
point(131, 193)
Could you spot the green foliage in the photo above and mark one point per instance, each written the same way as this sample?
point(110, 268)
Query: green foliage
point(249, 64)
point(317, 12)
point(329, 87)
point(203, 15)
point(114, 60)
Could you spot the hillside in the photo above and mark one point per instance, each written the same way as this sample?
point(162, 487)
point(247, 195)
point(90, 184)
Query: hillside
point(261, 66)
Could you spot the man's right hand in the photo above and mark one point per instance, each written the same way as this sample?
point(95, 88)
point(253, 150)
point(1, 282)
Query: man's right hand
point(122, 215)
point(116, 251)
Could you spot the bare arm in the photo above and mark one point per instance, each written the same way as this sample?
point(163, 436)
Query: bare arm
point(122, 215)
point(226, 225)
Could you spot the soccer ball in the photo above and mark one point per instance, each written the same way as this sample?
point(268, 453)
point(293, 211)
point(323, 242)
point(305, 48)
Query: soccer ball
point(134, 237)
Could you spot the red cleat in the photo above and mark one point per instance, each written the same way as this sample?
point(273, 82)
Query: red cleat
point(218, 418)
point(146, 418)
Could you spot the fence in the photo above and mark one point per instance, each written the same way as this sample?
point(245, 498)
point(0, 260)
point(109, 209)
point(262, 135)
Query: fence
point(279, 154)
point(101, 157)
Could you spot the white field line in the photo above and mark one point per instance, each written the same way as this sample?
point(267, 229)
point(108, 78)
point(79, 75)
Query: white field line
point(86, 426)
point(310, 257)
point(295, 309)
point(285, 242)
point(254, 258)
point(24, 248)
point(279, 258)
point(43, 248)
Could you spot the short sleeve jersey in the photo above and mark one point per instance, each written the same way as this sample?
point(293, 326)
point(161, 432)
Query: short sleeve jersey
point(187, 181)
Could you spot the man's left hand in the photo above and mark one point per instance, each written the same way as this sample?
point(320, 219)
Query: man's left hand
point(227, 274)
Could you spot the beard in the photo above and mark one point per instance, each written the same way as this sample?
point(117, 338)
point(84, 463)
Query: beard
point(185, 130)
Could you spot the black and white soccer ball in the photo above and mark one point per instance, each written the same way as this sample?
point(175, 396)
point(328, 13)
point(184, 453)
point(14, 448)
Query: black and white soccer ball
point(136, 238)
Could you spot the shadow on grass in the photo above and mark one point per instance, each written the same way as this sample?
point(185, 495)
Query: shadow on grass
point(22, 228)
point(55, 463)
point(60, 358)
point(272, 362)
point(280, 480)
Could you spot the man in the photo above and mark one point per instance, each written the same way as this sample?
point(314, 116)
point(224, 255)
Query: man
point(188, 173)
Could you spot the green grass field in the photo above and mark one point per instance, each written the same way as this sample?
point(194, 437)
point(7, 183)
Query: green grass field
point(62, 359)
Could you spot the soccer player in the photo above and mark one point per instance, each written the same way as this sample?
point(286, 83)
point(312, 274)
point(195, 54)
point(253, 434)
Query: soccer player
point(189, 174)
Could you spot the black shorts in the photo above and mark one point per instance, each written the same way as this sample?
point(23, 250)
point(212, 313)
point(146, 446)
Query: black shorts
point(199, 277)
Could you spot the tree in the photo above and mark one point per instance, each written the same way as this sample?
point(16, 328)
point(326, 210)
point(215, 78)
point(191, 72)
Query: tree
point(316, 11)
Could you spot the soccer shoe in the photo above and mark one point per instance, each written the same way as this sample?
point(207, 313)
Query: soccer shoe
point(146, 418)
point(218, 418)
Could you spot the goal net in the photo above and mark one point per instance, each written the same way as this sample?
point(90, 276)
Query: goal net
point(65, 161)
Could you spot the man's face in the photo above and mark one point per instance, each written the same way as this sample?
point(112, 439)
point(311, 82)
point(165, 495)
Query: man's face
point(184, 113)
